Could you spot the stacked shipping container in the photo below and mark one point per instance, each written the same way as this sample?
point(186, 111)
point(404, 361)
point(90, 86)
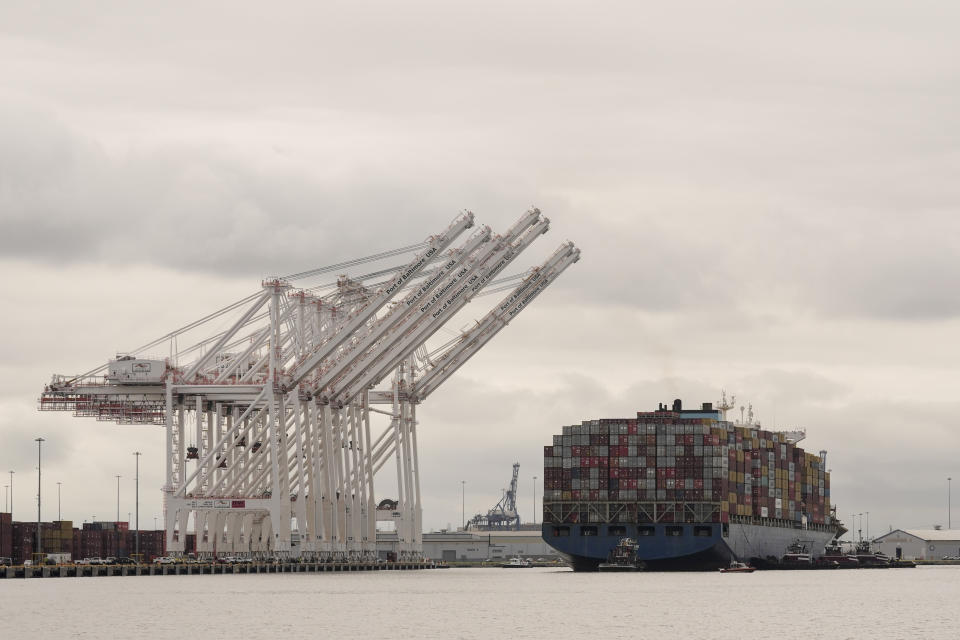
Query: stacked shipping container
point(657, 466)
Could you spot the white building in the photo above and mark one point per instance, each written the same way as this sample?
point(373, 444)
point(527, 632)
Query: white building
point(476, 546)
point(920, 544)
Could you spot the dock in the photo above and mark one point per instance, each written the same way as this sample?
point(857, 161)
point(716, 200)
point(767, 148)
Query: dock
point(197, 569)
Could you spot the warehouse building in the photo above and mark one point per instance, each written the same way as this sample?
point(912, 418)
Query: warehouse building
point(475, 546)
point(920, 544)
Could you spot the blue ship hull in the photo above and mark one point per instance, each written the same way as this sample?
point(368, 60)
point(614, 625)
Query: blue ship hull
point(660, 547)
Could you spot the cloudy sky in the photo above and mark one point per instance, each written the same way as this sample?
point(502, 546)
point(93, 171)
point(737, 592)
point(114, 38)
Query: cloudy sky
point(765, 196)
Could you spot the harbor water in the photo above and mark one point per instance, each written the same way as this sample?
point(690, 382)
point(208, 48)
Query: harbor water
point(490, 603)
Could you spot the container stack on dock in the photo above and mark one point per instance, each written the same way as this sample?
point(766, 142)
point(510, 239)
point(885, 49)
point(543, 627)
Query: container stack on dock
point(673, 466)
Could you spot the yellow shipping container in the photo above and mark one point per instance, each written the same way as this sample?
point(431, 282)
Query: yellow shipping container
point(724, 506)
point(740, 477)
point(732, 498)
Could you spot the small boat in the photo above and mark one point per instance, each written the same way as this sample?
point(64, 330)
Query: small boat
point(517, 563)
point(738, 567)
point(623, 557)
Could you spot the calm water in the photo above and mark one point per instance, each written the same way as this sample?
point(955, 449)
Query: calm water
point(491, 603)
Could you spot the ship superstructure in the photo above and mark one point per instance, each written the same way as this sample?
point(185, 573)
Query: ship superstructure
point(694, 489)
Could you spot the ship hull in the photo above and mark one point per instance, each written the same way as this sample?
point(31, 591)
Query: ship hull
point(686, 547)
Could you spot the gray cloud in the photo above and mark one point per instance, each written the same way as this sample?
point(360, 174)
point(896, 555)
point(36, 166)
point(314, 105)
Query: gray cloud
point(764, 193)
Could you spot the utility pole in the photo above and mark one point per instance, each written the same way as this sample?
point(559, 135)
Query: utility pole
point(39, 442)
point(534, 499)
point(118, 498)
point(59, 519)
point(137, 535)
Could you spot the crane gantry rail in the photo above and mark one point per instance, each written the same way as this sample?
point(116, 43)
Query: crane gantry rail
point(268, 422)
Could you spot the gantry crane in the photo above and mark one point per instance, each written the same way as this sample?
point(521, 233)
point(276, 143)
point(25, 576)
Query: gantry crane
point(269, 442)
point(503, 516)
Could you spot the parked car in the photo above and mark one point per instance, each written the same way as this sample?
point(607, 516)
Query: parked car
point(164, 560)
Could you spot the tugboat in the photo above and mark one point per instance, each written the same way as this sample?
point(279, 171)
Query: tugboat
point(834, 557)
point(623, 557)
point(796, 557)
point(869, 559)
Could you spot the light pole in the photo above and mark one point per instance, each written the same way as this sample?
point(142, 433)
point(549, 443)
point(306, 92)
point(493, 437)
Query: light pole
point(118, 498)
point(11, 496)
point(59, 519)
point(6, 497)
point(868, 525)
point(861, 526)
point(463, 502)
point(39, 442)
point(949, 504)
point(137, 535)
point(534, 499)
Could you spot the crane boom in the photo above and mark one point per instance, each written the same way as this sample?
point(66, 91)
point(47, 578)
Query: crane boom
point(435, 245)
point(499, 317)
point(400, 314)
point(435, 314)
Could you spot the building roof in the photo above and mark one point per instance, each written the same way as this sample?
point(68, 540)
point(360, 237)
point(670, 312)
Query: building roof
point(927, 534)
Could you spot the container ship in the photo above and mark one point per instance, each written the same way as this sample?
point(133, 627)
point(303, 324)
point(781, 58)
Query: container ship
point(695, 490)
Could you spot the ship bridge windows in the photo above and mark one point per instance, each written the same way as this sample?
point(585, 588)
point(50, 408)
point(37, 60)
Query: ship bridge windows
point(673, 531)
point(588, 530)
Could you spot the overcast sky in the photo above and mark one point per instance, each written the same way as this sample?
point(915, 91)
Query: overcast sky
point(765, 195)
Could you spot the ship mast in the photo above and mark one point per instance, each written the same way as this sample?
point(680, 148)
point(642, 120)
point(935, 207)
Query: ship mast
point(725, 406)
